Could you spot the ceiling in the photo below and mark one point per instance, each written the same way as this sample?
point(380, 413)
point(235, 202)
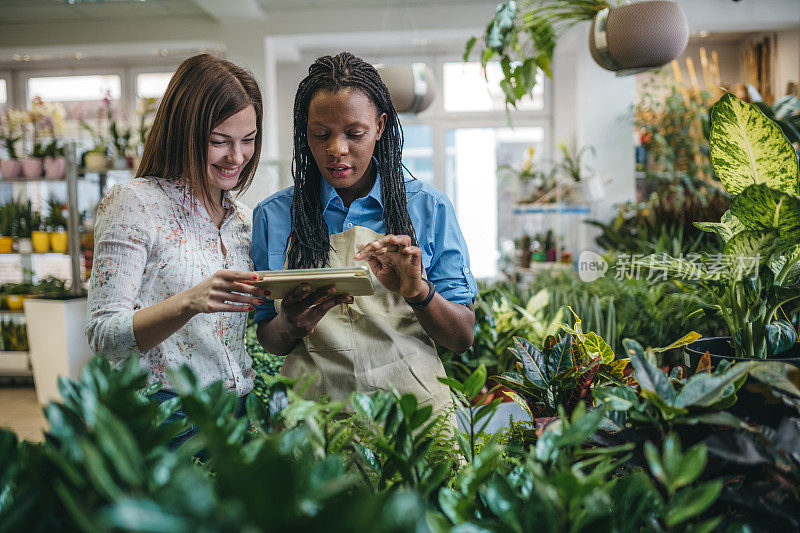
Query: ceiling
point(39, 11)
point(44, 11)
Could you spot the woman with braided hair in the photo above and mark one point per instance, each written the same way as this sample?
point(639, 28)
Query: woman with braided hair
point(350, 205)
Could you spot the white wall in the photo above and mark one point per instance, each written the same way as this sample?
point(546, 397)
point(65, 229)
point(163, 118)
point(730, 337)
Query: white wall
point(787, 65)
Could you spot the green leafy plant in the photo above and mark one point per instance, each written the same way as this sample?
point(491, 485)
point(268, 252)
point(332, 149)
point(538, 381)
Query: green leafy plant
point(14, 338)
point(561, 375)
point(785, 112)
point(756, 164)
point(120, 138)
point(55, 220)
point(51, 287)
point(523, 36)
point(462, 394)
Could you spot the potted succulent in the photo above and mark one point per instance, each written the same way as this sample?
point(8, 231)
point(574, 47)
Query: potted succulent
point(56, 223)
point(10, 133)
point(759, 269)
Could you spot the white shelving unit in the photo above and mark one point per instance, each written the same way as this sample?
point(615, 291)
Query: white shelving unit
point(566, 222)
point(18, 364)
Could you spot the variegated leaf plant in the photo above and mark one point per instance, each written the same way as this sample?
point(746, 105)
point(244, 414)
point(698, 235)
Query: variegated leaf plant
point(758, 166)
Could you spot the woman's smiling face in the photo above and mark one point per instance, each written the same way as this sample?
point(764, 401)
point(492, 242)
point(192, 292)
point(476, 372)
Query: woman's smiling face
point(230, 147)
point(342, 130)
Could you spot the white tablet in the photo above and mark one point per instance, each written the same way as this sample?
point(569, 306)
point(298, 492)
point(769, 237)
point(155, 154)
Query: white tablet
point(355, 281)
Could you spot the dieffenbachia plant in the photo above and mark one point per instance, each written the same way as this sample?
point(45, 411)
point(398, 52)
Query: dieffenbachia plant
point(759, 268)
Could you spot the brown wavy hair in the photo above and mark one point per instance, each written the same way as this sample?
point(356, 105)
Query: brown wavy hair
point(203, 93)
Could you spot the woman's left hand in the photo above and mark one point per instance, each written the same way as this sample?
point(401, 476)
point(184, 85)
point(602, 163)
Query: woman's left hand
point(397, 265)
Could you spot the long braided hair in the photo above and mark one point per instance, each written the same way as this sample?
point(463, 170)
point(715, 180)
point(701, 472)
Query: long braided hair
point(309, 242)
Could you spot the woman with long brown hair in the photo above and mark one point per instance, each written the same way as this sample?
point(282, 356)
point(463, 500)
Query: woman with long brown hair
point(172, 276)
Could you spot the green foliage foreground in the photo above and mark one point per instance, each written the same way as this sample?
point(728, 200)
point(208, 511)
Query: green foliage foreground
point(661, 456)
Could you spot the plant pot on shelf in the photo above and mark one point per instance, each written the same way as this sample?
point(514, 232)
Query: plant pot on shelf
point(10, 168)
point(55, 167)
point(58, 345)
point(31, 167)
point(6, 244)
point(751, 403)
point(525, 258)
point(25, 245)
point(96, 161)
point(59, 242)
point(15, 302)
point(40, 241)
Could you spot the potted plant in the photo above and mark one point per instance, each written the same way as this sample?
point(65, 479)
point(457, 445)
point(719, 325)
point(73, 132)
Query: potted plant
point(15, 294)
point(10, 133)
point(55, 164)
point(32, 164)
point(6, 228)
point(40, 239)
point(523, 36)
point(25, 220)
point(523, 245)
point(56, 223)
point(759, 268)
point(120, 141)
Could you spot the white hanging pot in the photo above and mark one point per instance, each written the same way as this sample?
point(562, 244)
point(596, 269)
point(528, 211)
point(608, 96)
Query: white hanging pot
point(411, 87)
point(637, 37)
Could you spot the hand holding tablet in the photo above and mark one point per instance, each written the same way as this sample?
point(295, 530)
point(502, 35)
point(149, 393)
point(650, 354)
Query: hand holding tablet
point(354, 281)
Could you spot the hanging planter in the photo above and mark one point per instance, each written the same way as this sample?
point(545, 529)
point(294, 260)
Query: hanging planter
point(623, 38)
point(638, 37)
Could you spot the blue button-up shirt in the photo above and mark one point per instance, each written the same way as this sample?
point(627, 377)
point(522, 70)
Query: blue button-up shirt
point(444, 252)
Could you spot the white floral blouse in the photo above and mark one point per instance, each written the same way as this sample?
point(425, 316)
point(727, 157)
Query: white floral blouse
point(152, 240)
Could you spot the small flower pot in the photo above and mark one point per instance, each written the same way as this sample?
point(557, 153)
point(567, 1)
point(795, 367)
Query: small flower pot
point(24, 246)
point(55, 167)
point(40, 241)
point(15, 302)
point(6, 245)
point(10, 168)
point(59, 242)
point(96, 161)
point(751, 404)
point(31, 167)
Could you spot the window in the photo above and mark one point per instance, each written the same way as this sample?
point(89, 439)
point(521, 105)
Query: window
point(75, 88)
point(418, 151)
point(152, 84)
point(89, 98)
point(466, 89)
point(483, 206)
point(3, 93)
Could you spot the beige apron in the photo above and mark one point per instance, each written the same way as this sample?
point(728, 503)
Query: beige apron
point(375, 343)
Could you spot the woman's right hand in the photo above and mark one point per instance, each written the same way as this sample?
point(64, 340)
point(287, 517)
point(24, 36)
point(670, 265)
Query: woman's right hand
point(302, 309)
point(224, 291)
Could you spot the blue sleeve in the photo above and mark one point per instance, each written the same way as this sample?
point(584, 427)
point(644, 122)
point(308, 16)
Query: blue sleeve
point(449, 268)
point(260, 255)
